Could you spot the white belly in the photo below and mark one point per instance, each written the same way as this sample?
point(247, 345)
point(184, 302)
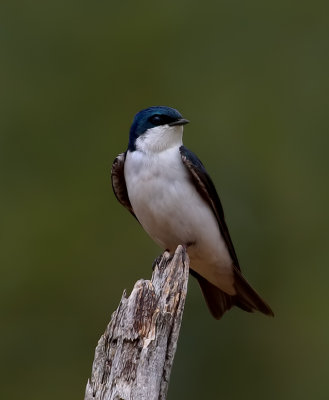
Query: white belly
point(172, 212)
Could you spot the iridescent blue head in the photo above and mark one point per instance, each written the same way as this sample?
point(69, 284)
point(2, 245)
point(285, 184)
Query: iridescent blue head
point(152, 117)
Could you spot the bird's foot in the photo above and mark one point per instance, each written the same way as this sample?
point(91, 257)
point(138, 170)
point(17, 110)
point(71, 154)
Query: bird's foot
point(160, 260)
point(157, 261)
point(188, 244)
point(185, 247)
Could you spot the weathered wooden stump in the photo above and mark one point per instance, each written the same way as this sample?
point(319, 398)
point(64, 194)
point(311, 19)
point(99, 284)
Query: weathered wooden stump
point(134, 357)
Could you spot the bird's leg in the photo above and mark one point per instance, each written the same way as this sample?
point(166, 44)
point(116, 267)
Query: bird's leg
point(185, 247)
point(158, 260)
point(188, 244)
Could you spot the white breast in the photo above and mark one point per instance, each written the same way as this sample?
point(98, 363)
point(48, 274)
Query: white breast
point(158, 189)
point(172, 212)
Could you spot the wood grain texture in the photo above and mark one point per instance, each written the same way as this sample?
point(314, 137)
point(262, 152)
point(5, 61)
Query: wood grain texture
point(133, 358)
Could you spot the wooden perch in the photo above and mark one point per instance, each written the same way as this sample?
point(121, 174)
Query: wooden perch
point(133, 358)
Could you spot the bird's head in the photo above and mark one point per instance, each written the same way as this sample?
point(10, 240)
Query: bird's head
point(155, 129)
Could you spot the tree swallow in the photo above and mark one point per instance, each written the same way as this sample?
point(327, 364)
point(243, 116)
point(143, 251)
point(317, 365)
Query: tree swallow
point(168, 190)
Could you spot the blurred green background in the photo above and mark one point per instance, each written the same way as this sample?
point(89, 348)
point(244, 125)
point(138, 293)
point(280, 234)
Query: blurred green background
point(253, 79)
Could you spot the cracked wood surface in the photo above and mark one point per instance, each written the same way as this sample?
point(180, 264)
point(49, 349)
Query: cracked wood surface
point(133, 358)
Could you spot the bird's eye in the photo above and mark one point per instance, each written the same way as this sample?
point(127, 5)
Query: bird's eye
point(157, 119)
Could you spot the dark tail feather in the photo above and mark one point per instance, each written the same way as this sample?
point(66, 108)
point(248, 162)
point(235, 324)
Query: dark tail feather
point(247, 298)
point(218, 302)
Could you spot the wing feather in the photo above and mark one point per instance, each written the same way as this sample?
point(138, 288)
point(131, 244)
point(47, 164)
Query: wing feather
point(119, 183)
point(218, 301)
point(207, 189)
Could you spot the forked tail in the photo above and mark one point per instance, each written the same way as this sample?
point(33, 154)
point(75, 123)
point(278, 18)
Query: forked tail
point(246, 298)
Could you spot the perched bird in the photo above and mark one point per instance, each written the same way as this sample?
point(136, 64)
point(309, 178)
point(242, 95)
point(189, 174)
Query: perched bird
point(167, 188)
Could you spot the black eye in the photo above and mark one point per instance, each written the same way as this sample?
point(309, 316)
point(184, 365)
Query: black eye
point(161, 119)
point(157, 119)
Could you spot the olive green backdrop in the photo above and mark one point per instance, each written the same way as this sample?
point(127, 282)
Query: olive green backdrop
point(252, 76)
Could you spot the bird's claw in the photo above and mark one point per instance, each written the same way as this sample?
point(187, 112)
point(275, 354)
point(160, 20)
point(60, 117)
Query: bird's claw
point(160, 260)
point(157, 261)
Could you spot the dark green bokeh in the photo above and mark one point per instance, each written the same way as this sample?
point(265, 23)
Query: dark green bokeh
point(253, 79)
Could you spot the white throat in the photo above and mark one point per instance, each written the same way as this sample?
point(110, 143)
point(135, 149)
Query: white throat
point(160, 138)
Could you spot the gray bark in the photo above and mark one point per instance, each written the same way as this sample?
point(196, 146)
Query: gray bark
point(133, 358)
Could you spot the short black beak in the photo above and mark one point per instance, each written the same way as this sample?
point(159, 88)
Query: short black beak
point(181, 121)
